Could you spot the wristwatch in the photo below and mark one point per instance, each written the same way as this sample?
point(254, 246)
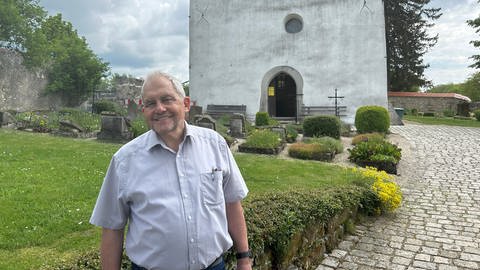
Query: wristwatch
point(245, 254)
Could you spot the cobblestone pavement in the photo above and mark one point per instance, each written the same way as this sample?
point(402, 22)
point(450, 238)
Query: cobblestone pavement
point(438, 225)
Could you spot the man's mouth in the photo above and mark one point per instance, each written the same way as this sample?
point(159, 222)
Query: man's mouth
point(161, 117)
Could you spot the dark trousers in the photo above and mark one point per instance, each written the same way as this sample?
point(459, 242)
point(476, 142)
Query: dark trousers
point(219, 266)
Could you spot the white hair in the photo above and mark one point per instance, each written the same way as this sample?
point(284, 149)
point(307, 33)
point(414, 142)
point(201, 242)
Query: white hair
point(159, 74)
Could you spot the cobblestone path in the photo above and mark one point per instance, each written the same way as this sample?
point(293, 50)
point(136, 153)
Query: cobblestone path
point(438, 225)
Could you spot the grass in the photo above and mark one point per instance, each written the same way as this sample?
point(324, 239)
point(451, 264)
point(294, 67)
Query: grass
point(49, 185)
point(448, 121)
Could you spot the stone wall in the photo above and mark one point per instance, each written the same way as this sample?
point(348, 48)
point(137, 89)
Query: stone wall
point(435, 105)
point(20, 88)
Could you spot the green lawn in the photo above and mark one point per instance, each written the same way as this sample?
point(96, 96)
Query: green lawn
point(449, 121)
point(48, 187)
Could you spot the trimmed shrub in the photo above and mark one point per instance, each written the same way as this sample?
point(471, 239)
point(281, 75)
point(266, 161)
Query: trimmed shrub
point(372, 119)
point(375, 136)
point(429, 114)
point(262, 119)
point(476, 113)
point(322, 125)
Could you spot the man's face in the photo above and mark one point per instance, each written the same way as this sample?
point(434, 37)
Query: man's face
point(164, 109)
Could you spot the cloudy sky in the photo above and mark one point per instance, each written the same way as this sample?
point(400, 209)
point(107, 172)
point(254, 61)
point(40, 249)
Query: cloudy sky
point(136, 36)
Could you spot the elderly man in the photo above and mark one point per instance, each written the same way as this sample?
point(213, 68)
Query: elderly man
point(177, 186)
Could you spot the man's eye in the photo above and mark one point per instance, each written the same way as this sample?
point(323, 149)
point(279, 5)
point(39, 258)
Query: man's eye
point(149, 104)
point(167, 100)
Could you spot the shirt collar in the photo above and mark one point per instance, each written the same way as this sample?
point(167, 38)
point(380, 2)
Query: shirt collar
point(154, 140)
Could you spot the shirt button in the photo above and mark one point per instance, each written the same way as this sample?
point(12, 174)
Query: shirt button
point(189, 217)
point(192, 240)
point(185, 196)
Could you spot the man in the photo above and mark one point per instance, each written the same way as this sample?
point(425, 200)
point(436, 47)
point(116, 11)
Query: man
point(177, 186)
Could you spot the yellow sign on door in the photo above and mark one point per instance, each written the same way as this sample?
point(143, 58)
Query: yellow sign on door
point(271, 91)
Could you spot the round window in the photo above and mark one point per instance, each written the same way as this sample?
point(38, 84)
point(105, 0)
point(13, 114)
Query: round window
point(293, 23)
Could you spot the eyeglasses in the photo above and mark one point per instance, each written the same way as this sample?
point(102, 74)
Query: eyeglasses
point(165, 101)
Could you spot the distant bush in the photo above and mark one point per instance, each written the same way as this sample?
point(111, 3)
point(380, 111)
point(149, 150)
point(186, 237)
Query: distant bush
point(332, 144)
point(291, 133)
point(138, 126)
point(476, 113)
point(375, 136)
point(312, 151)
point(414, 112)
point(448, 113)
point(262, 119)
point(263, 139)
point(322, 125)
point(106, 106)
point(429, 114)
point(372, 119)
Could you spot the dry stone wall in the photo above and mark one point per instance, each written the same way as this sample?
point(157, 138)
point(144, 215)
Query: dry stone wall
point(22, 89)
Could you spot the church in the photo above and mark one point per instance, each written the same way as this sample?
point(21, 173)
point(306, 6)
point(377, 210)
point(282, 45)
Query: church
point(289, 58)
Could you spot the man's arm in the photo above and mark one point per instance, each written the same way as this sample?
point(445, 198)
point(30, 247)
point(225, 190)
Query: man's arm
point(111, 249)
point(238, 231)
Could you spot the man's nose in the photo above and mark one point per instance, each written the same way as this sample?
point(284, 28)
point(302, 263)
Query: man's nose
point(160, 107)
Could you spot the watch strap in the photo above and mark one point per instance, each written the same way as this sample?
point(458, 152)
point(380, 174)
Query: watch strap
point(245, 254)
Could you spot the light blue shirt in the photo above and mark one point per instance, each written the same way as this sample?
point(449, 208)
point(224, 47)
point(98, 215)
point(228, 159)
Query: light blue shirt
point(174, 202)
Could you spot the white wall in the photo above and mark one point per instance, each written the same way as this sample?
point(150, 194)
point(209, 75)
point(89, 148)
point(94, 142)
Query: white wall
point(235, 43)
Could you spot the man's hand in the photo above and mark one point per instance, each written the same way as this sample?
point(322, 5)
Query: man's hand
point(244, 264)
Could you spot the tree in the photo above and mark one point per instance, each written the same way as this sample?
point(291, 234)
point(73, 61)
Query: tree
point(476, 43)
point(18, 20)
point(73, 70)
point(471, 87)
point(406, 23)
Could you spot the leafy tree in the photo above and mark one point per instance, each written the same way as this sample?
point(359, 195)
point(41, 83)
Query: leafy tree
point(406, 23)
point(471, 87)
point(447, 88)
point(476, 43)
point(74, 71)
point(18, 20)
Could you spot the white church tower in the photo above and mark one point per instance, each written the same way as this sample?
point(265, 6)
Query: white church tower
point(287, 57)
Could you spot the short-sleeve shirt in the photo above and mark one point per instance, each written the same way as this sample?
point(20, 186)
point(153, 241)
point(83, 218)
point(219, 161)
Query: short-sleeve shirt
point(174, 202)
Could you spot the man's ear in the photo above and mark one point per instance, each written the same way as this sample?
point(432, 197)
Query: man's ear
point(186, 103)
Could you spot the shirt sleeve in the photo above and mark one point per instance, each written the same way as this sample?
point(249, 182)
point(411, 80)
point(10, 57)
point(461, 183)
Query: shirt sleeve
point(111, 210)
point(234, 186)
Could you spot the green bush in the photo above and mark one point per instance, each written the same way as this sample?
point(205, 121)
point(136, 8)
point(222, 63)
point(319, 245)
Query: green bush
point(262, 119)
point(106, 106)
point(313, 151)
point(138, 126)
point(414, 112)
point(429, 114)
point(476, 113)
point(448, 113)
point(263, 139)
point(322, 125)
point(292, 133)
point(372, 119)
point(375, 151)
point(375, 136)
point(332, 144)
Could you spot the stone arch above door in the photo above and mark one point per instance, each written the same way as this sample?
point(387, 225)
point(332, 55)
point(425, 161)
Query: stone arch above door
point(270, 75)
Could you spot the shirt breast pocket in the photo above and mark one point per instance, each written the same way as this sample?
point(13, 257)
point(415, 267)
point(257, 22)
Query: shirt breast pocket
point(212, 187)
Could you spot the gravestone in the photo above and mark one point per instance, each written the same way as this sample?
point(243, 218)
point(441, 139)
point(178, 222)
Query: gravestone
point(133, 110)
point(114, 127)
point(6, 118)
point(205, 121)
point(237, 125)
point(194, 111)
point(281, 131)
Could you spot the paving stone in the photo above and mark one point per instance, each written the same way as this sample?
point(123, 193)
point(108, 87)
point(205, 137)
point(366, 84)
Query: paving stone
point(438, 225)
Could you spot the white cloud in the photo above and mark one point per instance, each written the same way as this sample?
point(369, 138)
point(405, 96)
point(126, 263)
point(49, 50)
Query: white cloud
point(133, 36)
point(449, 59)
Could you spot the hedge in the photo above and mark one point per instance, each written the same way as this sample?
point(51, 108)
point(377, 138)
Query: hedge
point(322, 125)
point(273, 219)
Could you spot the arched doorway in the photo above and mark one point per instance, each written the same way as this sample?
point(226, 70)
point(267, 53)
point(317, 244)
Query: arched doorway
point(282, 96)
